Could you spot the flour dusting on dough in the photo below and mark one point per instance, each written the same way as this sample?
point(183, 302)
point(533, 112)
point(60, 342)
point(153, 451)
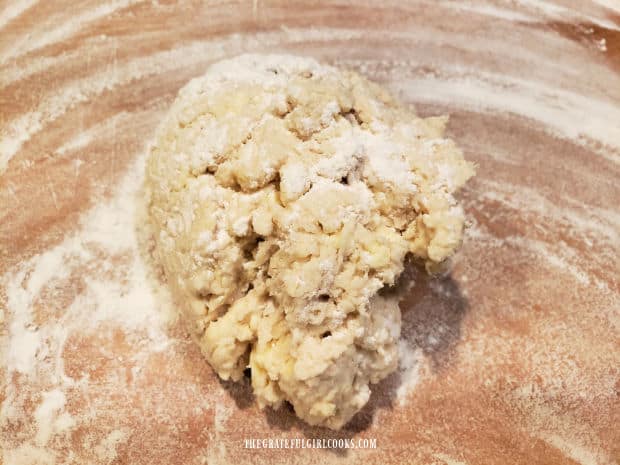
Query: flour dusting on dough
point(284, 195)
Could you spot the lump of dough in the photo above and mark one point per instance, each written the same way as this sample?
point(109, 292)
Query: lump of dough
point(285, 194)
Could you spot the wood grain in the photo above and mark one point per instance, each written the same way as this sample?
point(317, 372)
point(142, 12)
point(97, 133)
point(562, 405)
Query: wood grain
point(518, 349)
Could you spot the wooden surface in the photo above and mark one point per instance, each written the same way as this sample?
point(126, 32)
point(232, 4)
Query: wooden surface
point(516, 353)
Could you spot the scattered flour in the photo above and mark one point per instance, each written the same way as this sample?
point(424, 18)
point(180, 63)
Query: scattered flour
point(106, 449)
point(50, 416)
point(575, 451)
point(410, 363)
point(117, 290)
point(14, 10)
point(30, 350)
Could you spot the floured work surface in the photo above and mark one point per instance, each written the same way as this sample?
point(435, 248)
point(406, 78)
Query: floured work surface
point(510, 359)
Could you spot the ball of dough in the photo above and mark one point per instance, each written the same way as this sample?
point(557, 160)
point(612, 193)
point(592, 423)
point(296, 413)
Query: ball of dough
point(285, 194)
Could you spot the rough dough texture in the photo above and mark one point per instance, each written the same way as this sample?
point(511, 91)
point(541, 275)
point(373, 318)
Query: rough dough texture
point(285, 194)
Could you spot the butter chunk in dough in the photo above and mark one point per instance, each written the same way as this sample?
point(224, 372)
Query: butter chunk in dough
point(284, 195)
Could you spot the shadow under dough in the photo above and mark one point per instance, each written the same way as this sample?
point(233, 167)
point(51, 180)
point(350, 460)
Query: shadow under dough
point(432, 314)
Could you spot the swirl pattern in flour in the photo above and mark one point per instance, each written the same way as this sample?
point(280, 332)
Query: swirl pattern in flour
point(512, 358)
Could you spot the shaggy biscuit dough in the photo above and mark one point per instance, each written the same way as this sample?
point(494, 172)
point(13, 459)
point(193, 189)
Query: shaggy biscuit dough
point(285, 194)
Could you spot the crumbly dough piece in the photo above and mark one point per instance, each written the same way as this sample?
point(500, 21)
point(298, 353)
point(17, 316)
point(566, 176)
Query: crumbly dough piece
point(285, 194)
